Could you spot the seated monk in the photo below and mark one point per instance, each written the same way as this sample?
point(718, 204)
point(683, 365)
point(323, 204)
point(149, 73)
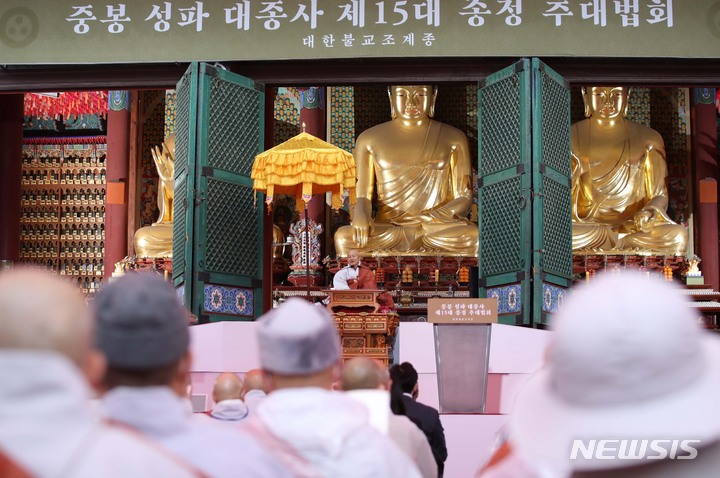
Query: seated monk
point(420, 170)
point(619, 197)
point(356, 275)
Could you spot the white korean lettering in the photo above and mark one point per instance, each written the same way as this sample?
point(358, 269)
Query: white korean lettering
point(162, 16)
point(595, 10)
point(328, 40)
point(475, 10)
point(239, 15)
point(271, 13)
point(82, 15)
point(116, 15)
point(409, 39)
point(192, 15)
point(628, 11)
point(429, 10)
point(558, 9)
point(348, 39)
point(513, 8)
point(309, 41)
point(354, 12)
point(661, 11)
point(428, 38)
point(310, 17)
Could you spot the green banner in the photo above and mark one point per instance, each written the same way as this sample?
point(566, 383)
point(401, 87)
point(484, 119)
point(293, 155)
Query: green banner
point(88, 31)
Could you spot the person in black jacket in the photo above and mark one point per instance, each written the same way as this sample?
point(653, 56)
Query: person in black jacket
point(405, 376)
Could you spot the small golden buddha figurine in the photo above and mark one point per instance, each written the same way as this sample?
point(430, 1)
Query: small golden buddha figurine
point(278, 238)
point(156, 240)
point(619, 196)
point(420, 170)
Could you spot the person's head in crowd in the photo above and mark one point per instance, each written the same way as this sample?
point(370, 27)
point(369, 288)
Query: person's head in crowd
point(142, 329)
point(254, 380)
point(43, 313)
point(406, 377)
point(396, 401)
point(628, 362)
point(299, 346)
point(363, 373)
point(228, 386)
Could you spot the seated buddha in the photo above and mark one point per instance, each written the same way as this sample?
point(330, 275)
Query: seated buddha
point(619, 196)
point(420, 171)
point(156, 240)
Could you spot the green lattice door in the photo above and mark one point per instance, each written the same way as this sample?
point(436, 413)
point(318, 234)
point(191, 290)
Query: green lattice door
point(217, 235)
point(504, 191)
point(552, 224)
point(523, 191)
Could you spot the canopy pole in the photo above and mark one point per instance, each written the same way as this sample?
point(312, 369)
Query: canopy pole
point(306, 240)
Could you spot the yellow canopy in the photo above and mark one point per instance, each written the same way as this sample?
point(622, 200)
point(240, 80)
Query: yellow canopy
point(302, 166)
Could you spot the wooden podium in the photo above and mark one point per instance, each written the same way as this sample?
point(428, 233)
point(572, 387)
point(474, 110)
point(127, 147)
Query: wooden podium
point(354, 299)
point(363, 331)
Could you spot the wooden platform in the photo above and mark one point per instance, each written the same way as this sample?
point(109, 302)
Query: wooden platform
point(366, 334)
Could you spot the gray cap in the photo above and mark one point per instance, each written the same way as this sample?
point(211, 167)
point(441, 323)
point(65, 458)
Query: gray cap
point(141, 323)
point(298, 338)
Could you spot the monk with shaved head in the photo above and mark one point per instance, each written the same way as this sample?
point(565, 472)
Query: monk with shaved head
point(47, 362)
point(227, 396)
point(254, 388)
point(368, 381)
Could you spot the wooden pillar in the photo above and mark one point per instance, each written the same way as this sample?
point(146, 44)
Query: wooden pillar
point(11, 135)
point(707, 169)
point(116, 202)
point(708, 239)
point(267, 279)
point(312, 115)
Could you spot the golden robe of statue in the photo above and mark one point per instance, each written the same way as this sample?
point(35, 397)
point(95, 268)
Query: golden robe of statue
point(420, 170)
point(157, 240)
point(619, 196)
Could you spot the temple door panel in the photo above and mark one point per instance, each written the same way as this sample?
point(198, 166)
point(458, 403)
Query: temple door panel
point(523, 190)
point(217, 230)
point(551, 205)
point(504, 191)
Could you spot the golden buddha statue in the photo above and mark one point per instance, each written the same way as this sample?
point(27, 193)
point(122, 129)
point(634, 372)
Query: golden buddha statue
point(420, 170)
point(619, 196)
point(156, 240)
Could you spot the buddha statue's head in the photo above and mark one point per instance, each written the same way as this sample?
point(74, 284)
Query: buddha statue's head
point(607, 102)
point(412, 102)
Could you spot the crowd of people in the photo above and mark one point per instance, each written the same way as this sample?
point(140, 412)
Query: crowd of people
point(629, 388)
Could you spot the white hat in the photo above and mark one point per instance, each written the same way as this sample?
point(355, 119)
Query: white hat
point(298, 338)
point(628, 360)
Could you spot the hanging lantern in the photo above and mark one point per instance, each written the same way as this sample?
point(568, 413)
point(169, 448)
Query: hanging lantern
point(68, 104)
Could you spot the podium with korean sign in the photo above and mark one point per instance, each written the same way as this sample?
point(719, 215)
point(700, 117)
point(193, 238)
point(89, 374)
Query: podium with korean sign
point(462, 350)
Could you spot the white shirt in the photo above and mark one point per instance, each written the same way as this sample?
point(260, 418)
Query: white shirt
point(215, 449)
point(230, 411)
point(406, 435)
point(253, 399)
point(340, 281)
point(49, 427)
point(331, 432)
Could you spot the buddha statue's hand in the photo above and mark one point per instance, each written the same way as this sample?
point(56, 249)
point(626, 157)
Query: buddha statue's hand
point(645, 218)
point(361, 228)
point(165, 165)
